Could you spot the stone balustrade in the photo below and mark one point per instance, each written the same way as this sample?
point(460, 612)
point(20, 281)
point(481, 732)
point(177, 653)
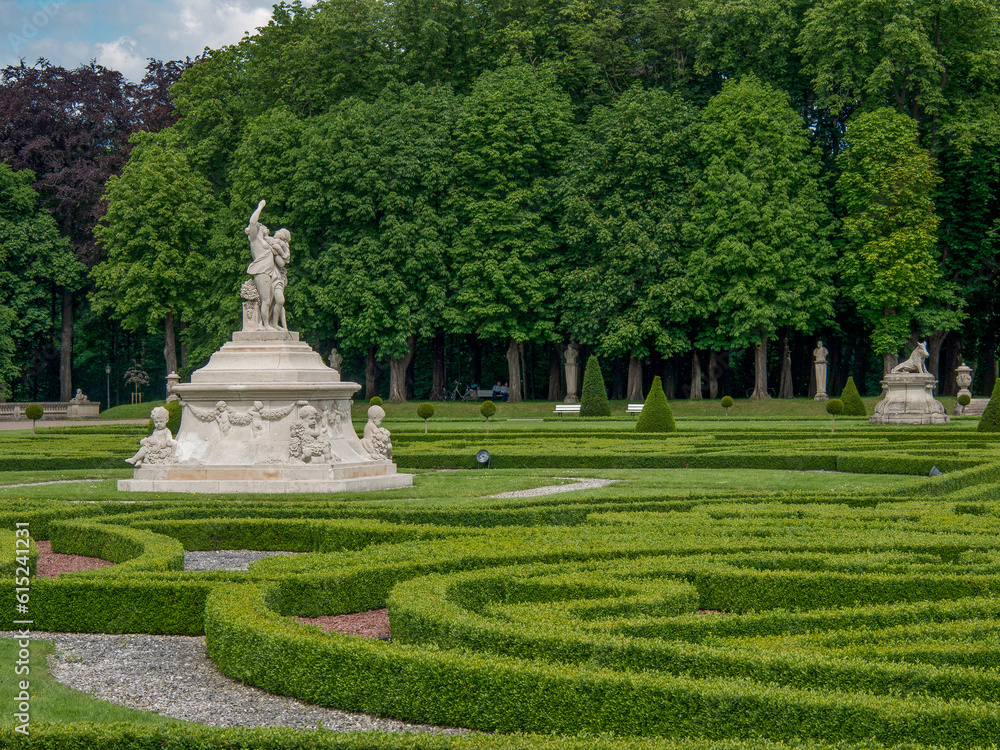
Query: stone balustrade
point(14, 411)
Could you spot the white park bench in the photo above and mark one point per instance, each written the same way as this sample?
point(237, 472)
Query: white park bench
point(567, 409)
point(486, 393)
point(634, 408)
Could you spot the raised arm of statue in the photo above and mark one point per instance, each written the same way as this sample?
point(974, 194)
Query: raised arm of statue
point(254, 225)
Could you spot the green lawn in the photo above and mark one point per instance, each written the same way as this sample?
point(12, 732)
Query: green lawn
point(52, 701)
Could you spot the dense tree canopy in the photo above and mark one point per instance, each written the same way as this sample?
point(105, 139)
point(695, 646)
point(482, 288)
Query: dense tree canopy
point(474, 186)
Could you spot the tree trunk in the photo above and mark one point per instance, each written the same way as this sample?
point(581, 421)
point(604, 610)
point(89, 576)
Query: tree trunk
point(371, 374)
point(476, 359)
point(713, 375)
point(170, 347)
point(184, 350)
point(785, 389)
point(438, 374)
point(66, 348)
point(634, 395)
point(948, 379)
point(555, 374)
point(934, 342)
point(760, 368)
point(695, 375)
point(397, 372)
point(889, 360)
point(514, 371)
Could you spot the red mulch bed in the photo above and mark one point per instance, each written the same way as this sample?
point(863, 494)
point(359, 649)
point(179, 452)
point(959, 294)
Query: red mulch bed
point(53, 564)
point(371, 624)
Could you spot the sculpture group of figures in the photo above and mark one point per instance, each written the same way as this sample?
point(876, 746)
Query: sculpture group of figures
point(266, 294)
point(265, 414)
point(312, 432)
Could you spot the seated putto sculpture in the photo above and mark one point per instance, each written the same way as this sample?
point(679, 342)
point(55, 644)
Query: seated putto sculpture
point(376, 440)
point(158, 448)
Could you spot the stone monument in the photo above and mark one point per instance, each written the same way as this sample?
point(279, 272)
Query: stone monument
point(81, 407)
point(265, 414)
point(909, 394)
point(572, 373)
point(819, 360)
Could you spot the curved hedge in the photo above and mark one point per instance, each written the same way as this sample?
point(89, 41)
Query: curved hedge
point(666, 620)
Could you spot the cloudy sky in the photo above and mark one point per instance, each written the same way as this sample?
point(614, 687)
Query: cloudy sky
point(121, 34)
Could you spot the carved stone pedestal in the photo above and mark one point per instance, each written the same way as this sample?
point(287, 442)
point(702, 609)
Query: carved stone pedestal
point(266, 415)
point(909, 399)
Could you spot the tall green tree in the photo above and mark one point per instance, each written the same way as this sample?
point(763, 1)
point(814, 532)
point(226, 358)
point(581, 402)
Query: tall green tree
point(625, 196)
point(886, 189)
point(155, 233)
point(376, 175)
point(511, 138)
point(762, 258)
point(934, 61)
point(36, 263)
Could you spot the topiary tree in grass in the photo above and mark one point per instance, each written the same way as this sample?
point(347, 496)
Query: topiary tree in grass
point(375, 401)
point(656, 415)
point(488, 409)
point(834, 407)
point(593, 397)
point(35, 411)
point(990, 421)
point(425, 411)
point(853, 405)
point(964, 400)
point(727, 401)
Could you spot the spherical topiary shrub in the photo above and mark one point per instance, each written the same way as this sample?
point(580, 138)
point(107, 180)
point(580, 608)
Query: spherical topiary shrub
point(965, 399)
point(593, 397)
point(853, 405)
point(488, 409)
point(425, 411)
point(656, 415)
point(726, 402)
point(834, 407)
point(33, 412)
point(990, 421)
point(375, 401)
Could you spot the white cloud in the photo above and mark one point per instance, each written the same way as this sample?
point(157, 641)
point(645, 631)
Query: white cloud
point(122, 34)
point(121, 55)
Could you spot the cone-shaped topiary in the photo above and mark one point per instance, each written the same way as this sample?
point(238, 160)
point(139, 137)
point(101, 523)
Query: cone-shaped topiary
point(593, 398)
point(990, 421)
point(853, 405)
point(656, 415)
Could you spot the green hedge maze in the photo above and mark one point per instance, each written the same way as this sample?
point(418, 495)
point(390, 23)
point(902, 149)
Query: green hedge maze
point(736, 620)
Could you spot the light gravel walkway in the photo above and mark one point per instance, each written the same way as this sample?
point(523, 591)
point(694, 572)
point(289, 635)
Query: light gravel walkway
point(226, 559)
point(173, 676)
point(555, 489)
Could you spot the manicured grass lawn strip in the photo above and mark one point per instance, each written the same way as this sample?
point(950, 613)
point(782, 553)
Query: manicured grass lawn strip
point(52, 701)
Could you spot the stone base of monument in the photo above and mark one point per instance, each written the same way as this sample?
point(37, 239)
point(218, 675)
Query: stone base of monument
point(909, 399)
point(265, 415)
point(355, 477)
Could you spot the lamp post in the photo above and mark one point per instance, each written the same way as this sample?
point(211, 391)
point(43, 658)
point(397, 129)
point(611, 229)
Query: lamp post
point(107, 372)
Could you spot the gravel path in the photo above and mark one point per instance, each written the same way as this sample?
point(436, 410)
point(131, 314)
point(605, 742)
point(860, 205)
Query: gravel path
point(555, 489)
point(173, 676)
point(226, 559)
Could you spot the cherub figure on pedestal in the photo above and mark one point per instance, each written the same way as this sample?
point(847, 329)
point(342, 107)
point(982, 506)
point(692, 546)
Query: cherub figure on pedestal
point(158, 448)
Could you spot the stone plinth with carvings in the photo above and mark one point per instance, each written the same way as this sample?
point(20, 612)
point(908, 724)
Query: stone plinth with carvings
point(267, 415)
point(909, 394)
